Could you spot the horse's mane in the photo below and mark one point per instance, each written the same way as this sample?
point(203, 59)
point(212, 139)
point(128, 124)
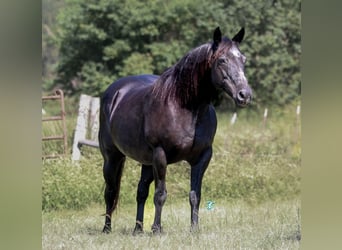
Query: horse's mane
point(183, 81)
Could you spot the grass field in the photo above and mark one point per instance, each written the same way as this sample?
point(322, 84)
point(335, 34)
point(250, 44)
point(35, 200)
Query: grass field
point(253, 178)
point(271, 225)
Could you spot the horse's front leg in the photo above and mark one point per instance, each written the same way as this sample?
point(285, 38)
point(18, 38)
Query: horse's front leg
point(197, 172)
point(159, 172)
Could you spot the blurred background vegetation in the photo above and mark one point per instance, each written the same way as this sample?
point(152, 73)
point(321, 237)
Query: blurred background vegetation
point(89, 44)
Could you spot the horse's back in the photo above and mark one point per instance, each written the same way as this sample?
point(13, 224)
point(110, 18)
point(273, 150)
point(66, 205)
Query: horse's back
point(129, 82)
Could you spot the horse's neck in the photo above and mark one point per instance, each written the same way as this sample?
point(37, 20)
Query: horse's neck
point(189, 81)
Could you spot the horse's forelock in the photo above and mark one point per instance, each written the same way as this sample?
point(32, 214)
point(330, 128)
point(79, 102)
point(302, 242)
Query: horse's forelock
point(223, 48)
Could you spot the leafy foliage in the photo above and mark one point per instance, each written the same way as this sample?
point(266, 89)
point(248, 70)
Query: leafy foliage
point(100, 41)
point(50, 9)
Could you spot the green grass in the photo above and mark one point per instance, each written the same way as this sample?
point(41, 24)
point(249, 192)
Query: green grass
point(237, 225)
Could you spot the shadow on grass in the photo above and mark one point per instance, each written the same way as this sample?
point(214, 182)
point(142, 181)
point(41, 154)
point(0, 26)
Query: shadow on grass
point(295, 236)
point(93, 231)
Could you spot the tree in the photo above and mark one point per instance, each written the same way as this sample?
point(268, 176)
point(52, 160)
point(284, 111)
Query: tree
point(49, 38)
point(100, 41)
point(273, 48)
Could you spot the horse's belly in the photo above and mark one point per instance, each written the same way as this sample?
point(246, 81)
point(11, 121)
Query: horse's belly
point(134, 143)
point(136, 146)
point(127, 137)
point(141, 154)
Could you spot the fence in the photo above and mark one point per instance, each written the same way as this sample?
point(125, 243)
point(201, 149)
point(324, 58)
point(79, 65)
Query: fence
point(87, 125)
point(61, 117)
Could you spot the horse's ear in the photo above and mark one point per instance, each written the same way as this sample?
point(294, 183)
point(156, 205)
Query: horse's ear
point(239, 36)
point(217, 37)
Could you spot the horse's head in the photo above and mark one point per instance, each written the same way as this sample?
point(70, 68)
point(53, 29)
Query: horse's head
point(227, 70)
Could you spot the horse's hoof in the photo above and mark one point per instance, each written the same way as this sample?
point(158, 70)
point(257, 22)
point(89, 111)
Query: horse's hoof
point(138, 229)
point(156, 230)
point(107, 229)
point(194, 229)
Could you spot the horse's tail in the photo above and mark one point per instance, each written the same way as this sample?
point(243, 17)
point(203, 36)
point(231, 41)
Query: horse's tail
point(113, 158)
point(104, 124)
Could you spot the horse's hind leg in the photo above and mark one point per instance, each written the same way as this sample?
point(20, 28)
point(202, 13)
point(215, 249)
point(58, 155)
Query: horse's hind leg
point(112, 172)
point(142, 193)
point(159, 173)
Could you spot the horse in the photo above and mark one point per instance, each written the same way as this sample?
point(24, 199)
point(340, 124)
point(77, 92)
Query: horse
point(160, 120)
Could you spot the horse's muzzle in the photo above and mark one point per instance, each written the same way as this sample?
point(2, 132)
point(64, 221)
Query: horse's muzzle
point(244, 97)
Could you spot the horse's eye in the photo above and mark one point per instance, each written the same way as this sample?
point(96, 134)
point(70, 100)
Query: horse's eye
point(221, 60)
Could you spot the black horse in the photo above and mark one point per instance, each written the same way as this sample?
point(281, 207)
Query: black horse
point(159, 120)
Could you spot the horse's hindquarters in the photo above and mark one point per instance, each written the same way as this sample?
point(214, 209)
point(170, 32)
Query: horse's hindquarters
point(123, 106)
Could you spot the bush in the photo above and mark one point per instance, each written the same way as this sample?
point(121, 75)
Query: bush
point(66, 185)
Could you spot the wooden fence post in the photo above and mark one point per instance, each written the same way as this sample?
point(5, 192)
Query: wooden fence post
point(81, 126)
point(94, 118)
point(265, 117)
point(233, 120)
point(298, 122)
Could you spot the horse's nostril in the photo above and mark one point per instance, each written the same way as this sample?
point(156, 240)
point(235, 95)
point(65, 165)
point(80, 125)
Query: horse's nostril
point(244, 97)
point(241, 95)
